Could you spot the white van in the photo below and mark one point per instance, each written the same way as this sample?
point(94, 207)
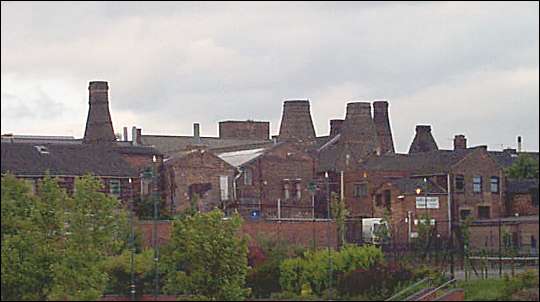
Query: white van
point(370, 227)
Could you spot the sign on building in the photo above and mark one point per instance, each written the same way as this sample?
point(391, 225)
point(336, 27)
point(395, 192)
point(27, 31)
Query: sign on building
point(432, 202)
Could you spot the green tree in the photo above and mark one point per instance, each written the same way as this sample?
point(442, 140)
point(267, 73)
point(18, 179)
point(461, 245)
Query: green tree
point(53, 244)
point(339, 212)
point(206, 258)
point(525, 167)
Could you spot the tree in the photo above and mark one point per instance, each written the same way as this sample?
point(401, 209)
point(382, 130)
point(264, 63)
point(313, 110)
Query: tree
point(339, 212)
point(206, 258)
point(53, 244)
point(525, 167)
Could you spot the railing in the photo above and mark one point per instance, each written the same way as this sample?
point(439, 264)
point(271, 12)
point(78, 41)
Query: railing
point(431, 292)
point(407, 289)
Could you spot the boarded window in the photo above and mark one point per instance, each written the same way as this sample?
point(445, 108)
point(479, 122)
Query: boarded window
point(360, 190)
point(477, 184)
point(224, 187)
point(248, 177)
point(483, 212)
point(460, 183)
point(286, 191)
point(494, 184)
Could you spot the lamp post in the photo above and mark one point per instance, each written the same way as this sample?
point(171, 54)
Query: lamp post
point(131, 241)
point(156, 246)
point(328, 237)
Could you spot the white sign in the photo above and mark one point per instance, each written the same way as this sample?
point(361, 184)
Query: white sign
point(432, 202)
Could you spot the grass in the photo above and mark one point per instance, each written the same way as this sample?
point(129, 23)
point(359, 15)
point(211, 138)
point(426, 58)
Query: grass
point(483, 290)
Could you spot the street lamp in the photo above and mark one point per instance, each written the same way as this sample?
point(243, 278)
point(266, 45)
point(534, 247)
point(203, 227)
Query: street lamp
point(328, 235)
point(131, 240)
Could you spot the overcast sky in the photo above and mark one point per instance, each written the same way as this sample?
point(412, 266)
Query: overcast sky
point(464, 68)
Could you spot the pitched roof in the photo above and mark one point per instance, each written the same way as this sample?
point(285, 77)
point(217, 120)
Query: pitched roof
point(522, 185)
point(507, 157)
point(408, 185)
point(438, 161)
point(25, 159)
point(170, 144)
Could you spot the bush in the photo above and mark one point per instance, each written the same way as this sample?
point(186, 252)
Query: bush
point(312, 269)
point(522, 281)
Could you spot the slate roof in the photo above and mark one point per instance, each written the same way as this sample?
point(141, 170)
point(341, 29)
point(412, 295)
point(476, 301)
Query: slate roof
point(171, 144)
point(507, 158)
point(522, 186)
point(24, 159)
point(408, 185)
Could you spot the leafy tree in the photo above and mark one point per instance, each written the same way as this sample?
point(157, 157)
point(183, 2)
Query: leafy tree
point(206, 258)
point(525, 167)
point(53, 244)
point(339, 212)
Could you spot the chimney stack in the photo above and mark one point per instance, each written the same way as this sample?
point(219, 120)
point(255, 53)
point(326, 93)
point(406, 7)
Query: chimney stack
point(296, 123)
point(382, 124)
point(134, 135)
point(139, 136)
point(125, 134)
point(358, 133)
point(519, 144)
point(423, 140)
point(197, 133)
point(335, 127)
point(460, 142)
point(99, 128)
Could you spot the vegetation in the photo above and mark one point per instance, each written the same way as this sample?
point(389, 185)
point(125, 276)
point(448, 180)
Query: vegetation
point(205, 258)
point(525, 167)
point(339, 212)
point(522, 287)
point(54, 245)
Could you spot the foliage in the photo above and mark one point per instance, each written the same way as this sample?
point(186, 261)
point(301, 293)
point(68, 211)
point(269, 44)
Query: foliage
point(525, 167)
point(118, 269)
point(339, 212)
point(376, 281)
point(53, 244)
point(205, 257)
point(522, 287)
point(314, 266)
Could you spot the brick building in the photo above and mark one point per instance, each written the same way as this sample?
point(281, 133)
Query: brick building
point(280, 172)
point(98, 153)
point(198, 172)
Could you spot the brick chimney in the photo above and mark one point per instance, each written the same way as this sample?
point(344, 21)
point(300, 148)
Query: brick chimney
point(460, 142)
point(423, 140)
point(382, 124)
point(99, 128)
point(358, 134)
point(253, 130)
point(296, 123)
point(335, 127)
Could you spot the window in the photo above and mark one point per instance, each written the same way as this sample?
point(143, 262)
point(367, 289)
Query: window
point(378, 200)
point(360, 190)
point(286, 191)
point(483, 212)
point(248, 177)
point(463, 214)
point(494, 184)
point(145, 186)
point(477, 184)
point(460, 183)
point(387, 198)
point(224, 187)
point(114, 187)
point(298, 191)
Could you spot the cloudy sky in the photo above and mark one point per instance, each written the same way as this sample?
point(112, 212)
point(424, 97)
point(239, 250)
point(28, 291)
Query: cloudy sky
point(469, 68)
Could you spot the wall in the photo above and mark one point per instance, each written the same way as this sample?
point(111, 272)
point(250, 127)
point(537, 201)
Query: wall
point(281, 164)
point(244, 130)
point(523, 205)
point(197, 167)
point(306, 233)
point(478, 163)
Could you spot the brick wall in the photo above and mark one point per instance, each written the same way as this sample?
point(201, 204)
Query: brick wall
point(196, 168)
point(523, 205)
point(283, 164)
point(479, 163)
point(306, 233)
point(244, 130)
